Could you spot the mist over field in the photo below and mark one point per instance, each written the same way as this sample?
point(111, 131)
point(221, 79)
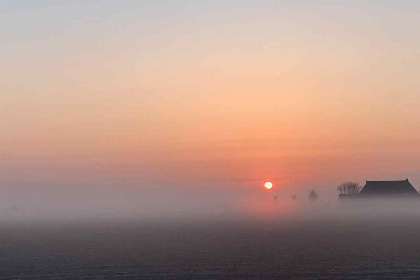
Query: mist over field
point(214, 233)
point(211, 239)
point(186, 203)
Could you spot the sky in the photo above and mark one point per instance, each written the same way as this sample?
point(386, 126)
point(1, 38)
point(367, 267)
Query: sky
point(124, 96)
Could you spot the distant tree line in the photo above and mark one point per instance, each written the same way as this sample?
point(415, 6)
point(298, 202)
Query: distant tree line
point(349, 188)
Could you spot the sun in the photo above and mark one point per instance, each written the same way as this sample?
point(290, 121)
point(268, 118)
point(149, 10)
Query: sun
point(268, 185)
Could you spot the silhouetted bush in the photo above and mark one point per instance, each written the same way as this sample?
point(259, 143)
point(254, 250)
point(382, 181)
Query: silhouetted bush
point(313, 195)
point(349, 188)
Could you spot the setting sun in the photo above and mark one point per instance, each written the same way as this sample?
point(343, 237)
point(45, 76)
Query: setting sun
point(268, 185)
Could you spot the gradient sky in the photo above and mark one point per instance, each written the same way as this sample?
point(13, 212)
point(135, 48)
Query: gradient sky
point(136, 94)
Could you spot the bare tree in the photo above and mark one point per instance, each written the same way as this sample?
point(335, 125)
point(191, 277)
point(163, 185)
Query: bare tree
point(313, 195)
point(349, 188)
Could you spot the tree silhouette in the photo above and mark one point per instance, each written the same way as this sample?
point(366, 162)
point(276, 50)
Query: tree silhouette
point(313, 195)
point(349, 188)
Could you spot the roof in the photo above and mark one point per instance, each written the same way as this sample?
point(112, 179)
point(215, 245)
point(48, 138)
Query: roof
point(389, 188)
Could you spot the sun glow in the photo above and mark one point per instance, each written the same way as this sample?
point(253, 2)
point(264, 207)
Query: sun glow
point(268, 185)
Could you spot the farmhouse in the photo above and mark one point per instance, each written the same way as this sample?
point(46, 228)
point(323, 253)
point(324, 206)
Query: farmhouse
point(385, 189)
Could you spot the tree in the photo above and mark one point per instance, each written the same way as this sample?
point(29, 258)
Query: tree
point(349, 188)
point(313, 195)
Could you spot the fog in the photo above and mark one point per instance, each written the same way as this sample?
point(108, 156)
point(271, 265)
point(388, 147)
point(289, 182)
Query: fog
point(214, 233)
point(171, 204)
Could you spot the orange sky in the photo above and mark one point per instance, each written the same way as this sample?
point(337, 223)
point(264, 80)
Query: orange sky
point(209, 94)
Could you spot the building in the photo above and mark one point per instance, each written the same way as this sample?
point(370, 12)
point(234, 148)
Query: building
point(385, 189)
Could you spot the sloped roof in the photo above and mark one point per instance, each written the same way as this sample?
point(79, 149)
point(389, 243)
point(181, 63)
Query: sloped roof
point(389, 188)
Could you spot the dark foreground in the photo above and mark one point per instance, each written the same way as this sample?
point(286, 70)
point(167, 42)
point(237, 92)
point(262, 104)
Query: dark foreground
point(311, 249)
